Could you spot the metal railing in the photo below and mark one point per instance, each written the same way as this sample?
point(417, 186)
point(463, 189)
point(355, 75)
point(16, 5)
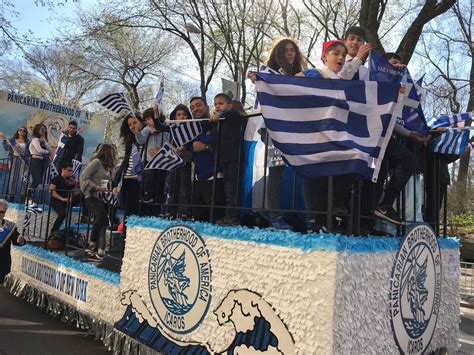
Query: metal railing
point(466, 282)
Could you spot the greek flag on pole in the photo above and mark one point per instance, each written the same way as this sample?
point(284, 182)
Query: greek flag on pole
point(451, 142)
point(448, 121)
point(63, 139)
point(116, 102)
point(329, 127)
point(161, 92)
point(76, 168)
point(166, 159)
point(412, 116)
point(184, 132)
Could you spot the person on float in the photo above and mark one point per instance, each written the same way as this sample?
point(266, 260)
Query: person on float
point(8, 235)
point(97, 177)
point(286, 59)
point(39, 152)
point(18, 155)
point(74, 147)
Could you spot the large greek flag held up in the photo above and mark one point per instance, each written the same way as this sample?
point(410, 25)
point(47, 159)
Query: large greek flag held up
point(184, 132)
point(63, 139)
point(329, 127)
point(115, 102)
point(166, 159)
point(451, 142)
point(448, 121)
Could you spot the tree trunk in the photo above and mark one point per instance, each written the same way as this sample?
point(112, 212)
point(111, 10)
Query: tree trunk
point(464, 161)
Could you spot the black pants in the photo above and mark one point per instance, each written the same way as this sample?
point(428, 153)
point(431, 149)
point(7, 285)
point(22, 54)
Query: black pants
point(154, 181)
point(179, 183)
point(231, 186)
point(401, 165)
point(130, 196)
point(37, 167)
point(202, 195)
point(98, 211)
point(61, 209)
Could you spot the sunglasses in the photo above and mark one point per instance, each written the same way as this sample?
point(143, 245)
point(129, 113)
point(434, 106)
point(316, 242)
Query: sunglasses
point(2, 211)
point(22, 130)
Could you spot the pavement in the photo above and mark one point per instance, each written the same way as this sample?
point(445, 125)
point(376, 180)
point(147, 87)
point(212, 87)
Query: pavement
point(25, 330)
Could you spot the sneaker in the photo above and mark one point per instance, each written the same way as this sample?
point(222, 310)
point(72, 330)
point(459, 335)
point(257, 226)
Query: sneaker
point(94, 257)
point(147, 199)
point(101, 252)
point(280, 223)
point(228, 221)
point(389, 214)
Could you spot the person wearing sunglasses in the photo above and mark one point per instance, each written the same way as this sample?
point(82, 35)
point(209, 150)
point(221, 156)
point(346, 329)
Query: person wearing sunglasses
point(8, 235)
point(17, 148)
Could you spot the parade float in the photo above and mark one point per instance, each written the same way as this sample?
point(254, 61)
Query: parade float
point(189, 287)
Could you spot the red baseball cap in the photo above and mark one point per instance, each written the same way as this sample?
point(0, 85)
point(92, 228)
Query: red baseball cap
point(327, 44)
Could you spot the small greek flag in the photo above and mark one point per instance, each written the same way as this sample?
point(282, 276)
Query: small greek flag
point(184, 132)
point(30, 209)
point(448, 121)
point(26, 221)
point(63, 139)
point(108, 198)
point(116, 102)
point(160, 94)
point(166, 159)
point(76, 168)
point(51, 174)
point(451, 142)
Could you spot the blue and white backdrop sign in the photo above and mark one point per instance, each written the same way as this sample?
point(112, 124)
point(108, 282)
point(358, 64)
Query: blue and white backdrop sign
point(415, 290)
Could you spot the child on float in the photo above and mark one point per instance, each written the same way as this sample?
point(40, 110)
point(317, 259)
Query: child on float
point(229, 146)
point(354, 39)
point(315, 189)
point(179, 180)
point(152, 137)
point(285, 58)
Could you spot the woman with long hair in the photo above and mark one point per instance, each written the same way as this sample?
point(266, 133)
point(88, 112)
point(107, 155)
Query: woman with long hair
point(95, 178)
point(17, 148)
point(285, 59)
point(130, 171)
point(39, 152)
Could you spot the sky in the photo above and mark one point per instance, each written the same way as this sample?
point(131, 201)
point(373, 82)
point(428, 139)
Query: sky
point(42, 21)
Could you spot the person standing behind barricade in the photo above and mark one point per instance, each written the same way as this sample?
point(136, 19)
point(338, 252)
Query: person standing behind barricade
point(60, 189)
point(95, 178)
point(286, 59)
point(230, 138)
point(39, 152)
point(17, 148)
point(333, 58)
point(8, 235)
point(179, 180)
point(203, 150)
point(152, 137)
point(74, 146)
point(129, 175)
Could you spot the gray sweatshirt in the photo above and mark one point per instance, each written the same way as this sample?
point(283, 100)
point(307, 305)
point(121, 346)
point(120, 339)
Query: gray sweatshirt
point(92, 176)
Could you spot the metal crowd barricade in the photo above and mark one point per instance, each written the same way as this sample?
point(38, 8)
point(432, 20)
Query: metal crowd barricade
point(466, 282)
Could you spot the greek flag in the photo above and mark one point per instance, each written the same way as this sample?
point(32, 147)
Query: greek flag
point(448, 121)
point(30, 209)
point(76, 168)
point(412, 116)
point(116, 102)
point(184, 132)
point(108, 198)
point(52, 173)
point(329, 127)
point(166, 159)
point(63, 139)
point(161, 92)
point(451, 142)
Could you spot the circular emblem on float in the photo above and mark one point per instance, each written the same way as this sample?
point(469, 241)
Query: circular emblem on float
point(415, 290)
point(179, 279)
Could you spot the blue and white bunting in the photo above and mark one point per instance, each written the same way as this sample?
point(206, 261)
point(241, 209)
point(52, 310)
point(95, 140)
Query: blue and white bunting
point(184, 132)
point(448, 120)
point(451, 142)
point(329, 127)
point(166, 159)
